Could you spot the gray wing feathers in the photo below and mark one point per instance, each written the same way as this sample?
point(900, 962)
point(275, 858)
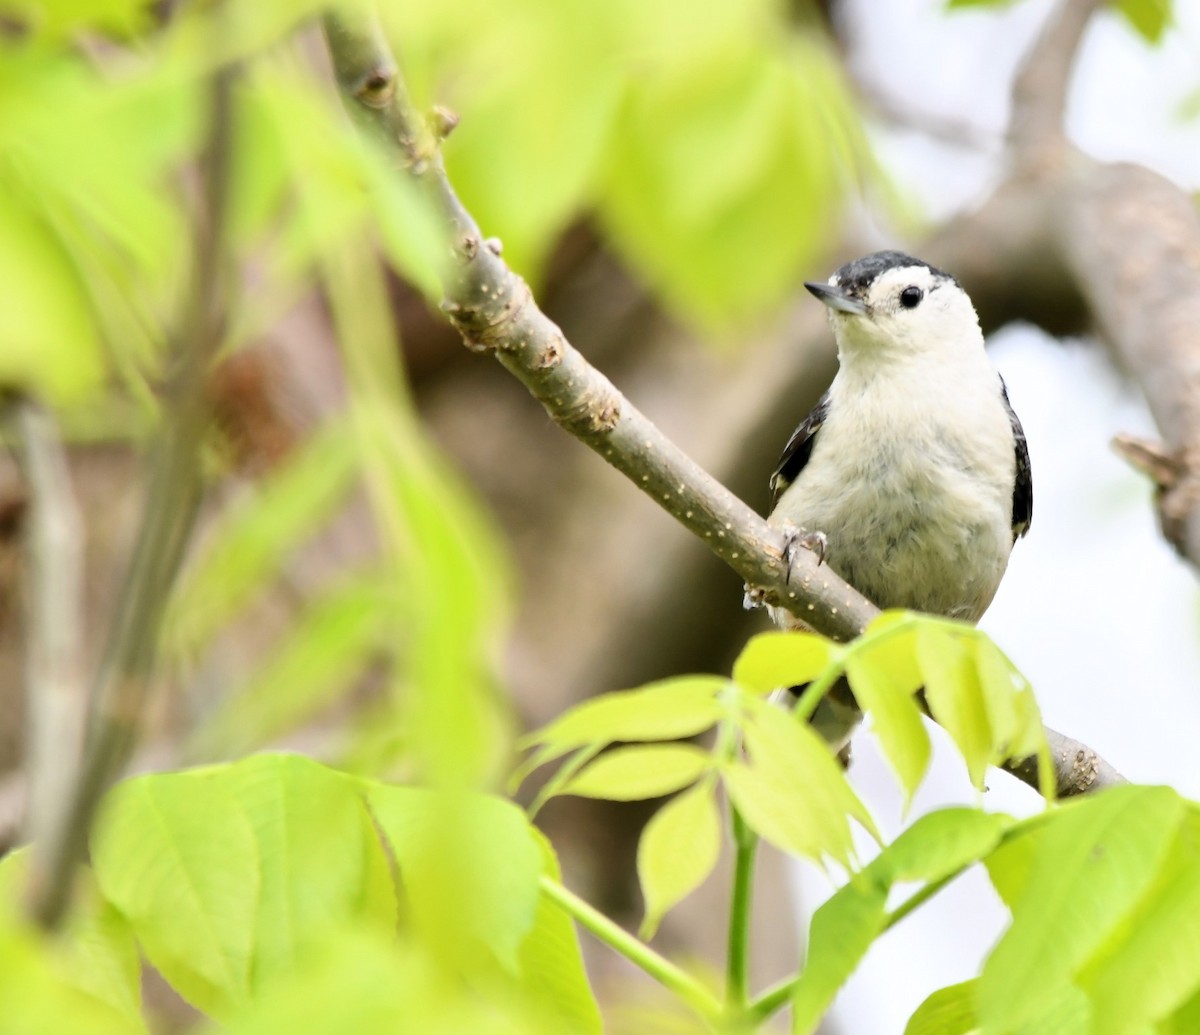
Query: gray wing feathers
point(798, 449)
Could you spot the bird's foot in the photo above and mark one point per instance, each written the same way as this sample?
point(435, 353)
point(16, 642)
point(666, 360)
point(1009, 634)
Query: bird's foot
point(796, 538)
point(799, 539)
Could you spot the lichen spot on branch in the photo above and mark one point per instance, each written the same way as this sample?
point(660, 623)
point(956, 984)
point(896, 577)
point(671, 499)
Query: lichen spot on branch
point(551, 355)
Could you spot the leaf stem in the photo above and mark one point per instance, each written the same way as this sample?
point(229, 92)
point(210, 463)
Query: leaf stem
point(636, 951)
point(745, 844)
point(778, 995)
point(920, 897)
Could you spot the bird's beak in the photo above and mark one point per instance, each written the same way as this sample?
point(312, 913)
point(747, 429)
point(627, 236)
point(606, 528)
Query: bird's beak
point(836, 298)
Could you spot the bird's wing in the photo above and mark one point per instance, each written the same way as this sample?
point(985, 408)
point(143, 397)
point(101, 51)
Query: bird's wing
point(799, 448)
point(1022, 503)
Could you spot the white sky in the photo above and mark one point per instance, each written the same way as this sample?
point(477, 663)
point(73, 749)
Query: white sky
point(1116, 668)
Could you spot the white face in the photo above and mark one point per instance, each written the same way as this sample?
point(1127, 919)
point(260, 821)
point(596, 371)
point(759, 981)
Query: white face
point(909, 309)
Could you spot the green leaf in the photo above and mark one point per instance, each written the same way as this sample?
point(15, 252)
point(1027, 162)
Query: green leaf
point(948, 1011)
point(1092, 862)
point(941, 843)
point(1013, 713)
point(884, 679)
point(637, 772)
point(667, 710)
point(782, 659)
point(955, 697)
point(470, 866)
point(936, 846)
point(678, 849)
point(842, 931)
point(1152, 966)
point(794, 792)
point(1149, 18)
point(226, 873)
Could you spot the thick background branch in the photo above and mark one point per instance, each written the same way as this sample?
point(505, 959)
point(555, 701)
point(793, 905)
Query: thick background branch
point(53, 633)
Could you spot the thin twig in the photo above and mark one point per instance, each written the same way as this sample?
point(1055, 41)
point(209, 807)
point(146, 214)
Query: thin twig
point(494, 311)
point(122, 683)
point(617, 938)
point(53, 632)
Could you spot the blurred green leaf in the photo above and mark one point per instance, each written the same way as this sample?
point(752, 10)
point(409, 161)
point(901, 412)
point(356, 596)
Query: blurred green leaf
point(38, 1001)
point(470, 866)
point(551, 964)
point(319, 185)
point(318, 659)
point(525, 159)
point(251, 541)
point(782, 659)
point(1183, 1021)
point(366, 981)
point(953, 5)
point(226, 874)
point(1188, 109)
point(678, 849)
point(442, 713)
point(715, 156)
point(1149, 18)
point(47, 340)
point(640, 771)
point(666, 710)
point(1091, 864)
point(58, 19)
point(94, 953)
point(794, 792)
point(948, 1011)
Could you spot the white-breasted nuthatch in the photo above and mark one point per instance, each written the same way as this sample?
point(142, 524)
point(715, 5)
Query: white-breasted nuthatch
point(911, 475)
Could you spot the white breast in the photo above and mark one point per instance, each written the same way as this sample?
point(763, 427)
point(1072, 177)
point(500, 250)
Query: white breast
point(911, 480)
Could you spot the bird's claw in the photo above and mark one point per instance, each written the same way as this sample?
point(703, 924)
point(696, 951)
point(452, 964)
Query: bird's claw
point(816, 542)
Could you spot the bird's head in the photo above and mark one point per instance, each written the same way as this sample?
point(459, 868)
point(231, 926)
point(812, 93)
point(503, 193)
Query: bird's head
point(891, 303)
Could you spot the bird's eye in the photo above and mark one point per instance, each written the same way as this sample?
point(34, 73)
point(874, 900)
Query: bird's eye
point(911, 297)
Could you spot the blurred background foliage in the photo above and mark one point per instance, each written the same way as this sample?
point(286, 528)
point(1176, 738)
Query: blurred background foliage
point(684, 141)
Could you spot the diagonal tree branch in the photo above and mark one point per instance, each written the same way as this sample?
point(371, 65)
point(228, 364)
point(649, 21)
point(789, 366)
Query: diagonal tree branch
point(123, 680)
point(494, 311)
